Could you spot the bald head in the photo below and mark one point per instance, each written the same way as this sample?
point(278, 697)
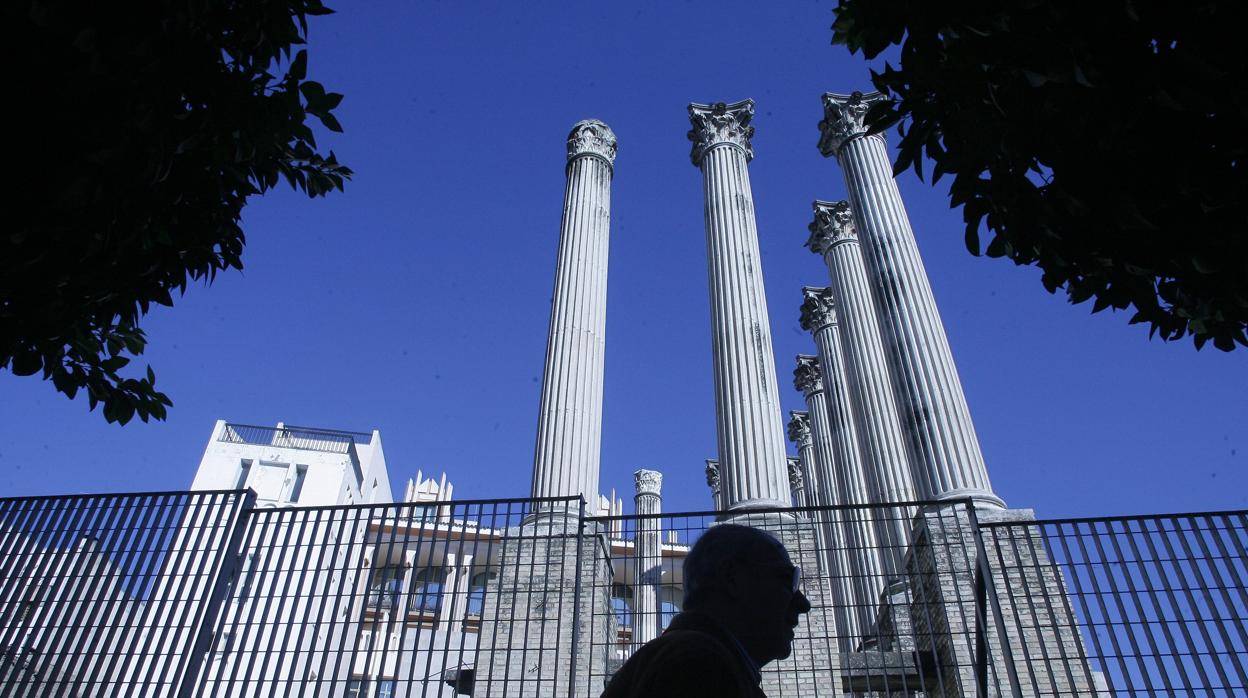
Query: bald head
point(722, 546)
point(743, 579)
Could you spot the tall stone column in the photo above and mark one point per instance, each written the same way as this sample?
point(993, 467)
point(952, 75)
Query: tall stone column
point(848, 533)
point(799, 433)
point(943, 445)
point(747, 401)
point(797, 482)
point(648, 560)
point(867, 559)
point(808, 380)
point(882, 444)
point(544, 556)
point(569, 431)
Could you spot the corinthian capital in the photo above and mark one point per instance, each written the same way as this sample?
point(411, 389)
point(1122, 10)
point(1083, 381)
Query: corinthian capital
point(799, 429)
point(648, 482)
point(807, 377)
point(833, 223)
point(796, 481)
point(843, 119)
point(720, 123)
point(594, 138)
point(818, 308)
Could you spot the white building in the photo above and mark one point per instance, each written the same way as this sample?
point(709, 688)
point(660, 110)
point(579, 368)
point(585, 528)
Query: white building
point(410, 576)
point(288, 465)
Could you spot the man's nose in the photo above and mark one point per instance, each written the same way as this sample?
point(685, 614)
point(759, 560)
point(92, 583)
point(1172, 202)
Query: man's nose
point(801, 602)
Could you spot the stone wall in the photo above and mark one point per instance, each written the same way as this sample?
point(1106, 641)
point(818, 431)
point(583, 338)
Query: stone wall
point(535, 631)
point(1040, 638)
point(812, 668)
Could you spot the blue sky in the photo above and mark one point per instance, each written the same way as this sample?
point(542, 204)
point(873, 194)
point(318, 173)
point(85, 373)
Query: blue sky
point(417, 301)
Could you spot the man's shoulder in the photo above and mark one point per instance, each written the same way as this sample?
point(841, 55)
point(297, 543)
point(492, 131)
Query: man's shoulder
point(691, 643)
point(683, 662)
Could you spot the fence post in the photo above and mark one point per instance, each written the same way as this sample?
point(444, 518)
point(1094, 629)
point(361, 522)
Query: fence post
point(981, 636)
point(985, 586)
point(210, 613)
point(576, 601)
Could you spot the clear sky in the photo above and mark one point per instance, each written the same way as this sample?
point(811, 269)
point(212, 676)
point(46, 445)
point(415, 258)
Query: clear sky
point(417, 301)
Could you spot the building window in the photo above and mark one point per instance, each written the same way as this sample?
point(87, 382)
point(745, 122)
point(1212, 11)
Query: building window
point(270, 481)
point(358, 688)
point(246, 572)
point(476, 591)
point(621, 604)
point(244, 469)
point(383, 589)
point(427, 590)
point(301, 474)
point(223, 645)
point(667, 611)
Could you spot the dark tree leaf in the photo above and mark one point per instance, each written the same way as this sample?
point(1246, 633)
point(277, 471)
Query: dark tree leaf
point(145, 129)
point(1104, 144)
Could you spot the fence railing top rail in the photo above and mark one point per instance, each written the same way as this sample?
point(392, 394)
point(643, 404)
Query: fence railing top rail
point(963, 501)
point(118, 495)
point(1113, 519)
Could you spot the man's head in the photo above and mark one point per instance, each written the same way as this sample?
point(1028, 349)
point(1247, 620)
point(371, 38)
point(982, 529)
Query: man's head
point(743, 578)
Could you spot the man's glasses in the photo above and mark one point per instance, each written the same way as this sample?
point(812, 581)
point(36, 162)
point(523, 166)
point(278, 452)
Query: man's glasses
point(796, 581)
point(792, 574)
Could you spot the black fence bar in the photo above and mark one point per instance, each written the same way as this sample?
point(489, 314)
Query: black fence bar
point(1159, 601)
point(203, 594)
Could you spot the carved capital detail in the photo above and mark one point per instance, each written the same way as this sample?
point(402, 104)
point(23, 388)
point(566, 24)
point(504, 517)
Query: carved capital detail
point(818, 308)
point(796, 480)
point(807, 377)
point(843, 119)
point(648, 482)
point(712, 475)
point(799, 429)
point(833, 224)
point(720, 123)
point(592, 137)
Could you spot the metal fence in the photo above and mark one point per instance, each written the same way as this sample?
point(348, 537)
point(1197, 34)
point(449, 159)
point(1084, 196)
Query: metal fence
point(204, 594)
point(1161, 602)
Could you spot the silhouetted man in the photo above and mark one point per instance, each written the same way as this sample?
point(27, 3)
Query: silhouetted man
point(742, 602)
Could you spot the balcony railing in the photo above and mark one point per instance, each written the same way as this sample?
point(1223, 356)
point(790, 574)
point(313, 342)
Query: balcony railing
point(303, 439)
point(300, 438)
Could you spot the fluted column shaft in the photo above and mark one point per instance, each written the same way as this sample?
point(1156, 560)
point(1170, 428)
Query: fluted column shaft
point(569, 432)
point(750, 434)
point(866, 558)
point(943, 446)
point(849, 531)
point(800, 433)
point(883, 445)
point(647, 546)
point(797, 482)
point(808, 380)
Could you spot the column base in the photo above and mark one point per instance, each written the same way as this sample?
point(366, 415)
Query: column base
point(981, 498)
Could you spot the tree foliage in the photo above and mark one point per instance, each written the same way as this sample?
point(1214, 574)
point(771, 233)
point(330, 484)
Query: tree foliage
point(1103, 142)
point(141, 130)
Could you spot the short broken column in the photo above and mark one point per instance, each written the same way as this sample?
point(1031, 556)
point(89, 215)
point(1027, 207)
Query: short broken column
point(648, 556)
